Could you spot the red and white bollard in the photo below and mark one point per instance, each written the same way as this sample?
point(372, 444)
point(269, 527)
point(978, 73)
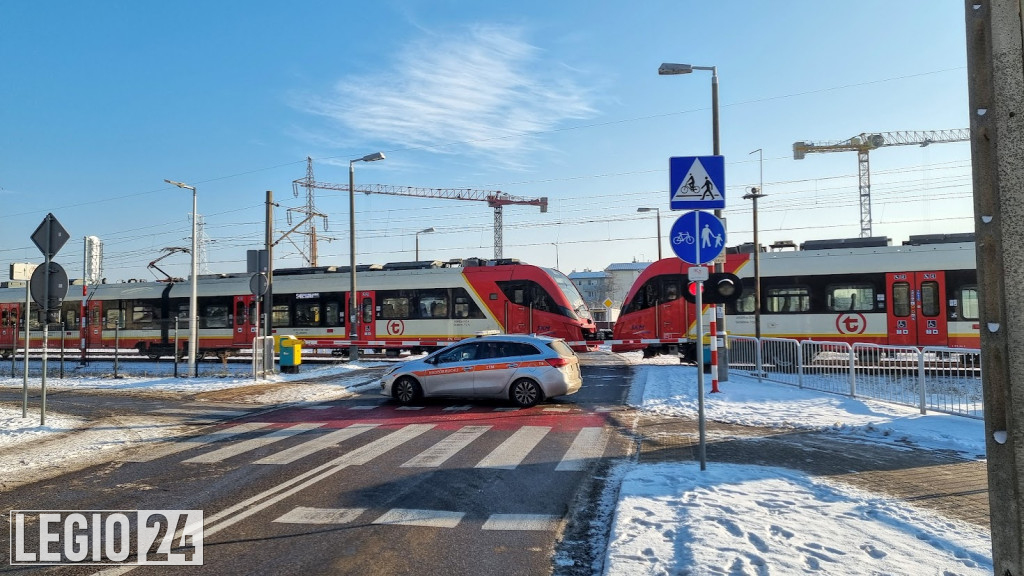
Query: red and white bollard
point(714, 349)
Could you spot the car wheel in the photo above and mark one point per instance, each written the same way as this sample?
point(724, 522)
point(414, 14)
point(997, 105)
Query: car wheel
point(525, 393)
point(406, 390)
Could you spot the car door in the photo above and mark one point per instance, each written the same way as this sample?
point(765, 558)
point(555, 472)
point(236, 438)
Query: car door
point(452, 373)
point(501, 363)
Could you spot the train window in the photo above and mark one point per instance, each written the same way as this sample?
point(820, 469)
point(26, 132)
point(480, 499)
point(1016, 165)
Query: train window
point(465, 307)
point(851, 298)
point(969, 303)
point(433, 304)
point(788, 299)
point(143, 316)
point(745, 304)
point(113, 316)
point(671, 290)
point(395, 307)
point(5, 318)
point(70, 319)
point(529, 293)
point(333, 316)
point(901, 299)
point(931, 302)
point(281, 315)
point(307, 313)
point(241, 313)
point(215, 316)
point(367, 310)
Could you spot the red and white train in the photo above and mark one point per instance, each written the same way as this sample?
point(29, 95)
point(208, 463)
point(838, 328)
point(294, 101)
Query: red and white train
point(402, 306)
point(921, 293)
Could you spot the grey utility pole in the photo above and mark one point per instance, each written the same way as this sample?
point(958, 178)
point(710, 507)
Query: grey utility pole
point(995, 68)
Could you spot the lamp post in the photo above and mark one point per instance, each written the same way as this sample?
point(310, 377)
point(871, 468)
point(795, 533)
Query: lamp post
point(555, 244)
point(669, 69)
point(658, 214)
point(353, 299)
point(193, 307)
point(756, 193)
point(424, 231)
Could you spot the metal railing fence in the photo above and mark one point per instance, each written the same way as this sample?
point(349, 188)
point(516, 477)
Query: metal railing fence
point(932, 378)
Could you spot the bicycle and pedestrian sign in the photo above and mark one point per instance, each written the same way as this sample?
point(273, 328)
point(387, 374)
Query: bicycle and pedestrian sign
point(698, 237)
point(696, 182)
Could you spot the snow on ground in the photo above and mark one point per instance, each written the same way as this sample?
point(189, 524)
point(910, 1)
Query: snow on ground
point(672, 518)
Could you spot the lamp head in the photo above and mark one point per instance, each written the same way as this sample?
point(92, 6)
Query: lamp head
point(668, 69)
point(372, 157)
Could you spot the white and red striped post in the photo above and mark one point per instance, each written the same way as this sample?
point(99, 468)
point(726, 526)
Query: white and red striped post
point(714, 348)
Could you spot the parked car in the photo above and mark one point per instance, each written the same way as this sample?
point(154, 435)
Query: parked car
point(523, 369)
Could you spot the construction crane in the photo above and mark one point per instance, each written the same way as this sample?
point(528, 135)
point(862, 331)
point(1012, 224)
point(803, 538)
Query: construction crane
point(863, 143)
point(494, 198)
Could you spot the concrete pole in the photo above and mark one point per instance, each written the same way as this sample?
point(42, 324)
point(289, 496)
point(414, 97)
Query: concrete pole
point(995, 67)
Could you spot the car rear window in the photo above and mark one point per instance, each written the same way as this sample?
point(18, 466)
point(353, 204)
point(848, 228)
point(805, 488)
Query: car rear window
point(518, 349)
point(562, 348)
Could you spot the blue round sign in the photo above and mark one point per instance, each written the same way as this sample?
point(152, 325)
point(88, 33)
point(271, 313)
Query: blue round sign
point(698, 237)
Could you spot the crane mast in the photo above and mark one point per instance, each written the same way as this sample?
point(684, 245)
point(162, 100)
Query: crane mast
point(494, 198)
point(864, 143)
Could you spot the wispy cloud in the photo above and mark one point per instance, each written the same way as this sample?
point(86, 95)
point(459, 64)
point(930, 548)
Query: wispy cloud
point(486, 89)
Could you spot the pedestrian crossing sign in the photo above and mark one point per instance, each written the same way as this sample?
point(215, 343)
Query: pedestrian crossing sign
point(696, 182)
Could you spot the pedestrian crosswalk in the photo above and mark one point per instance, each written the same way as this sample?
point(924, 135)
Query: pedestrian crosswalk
point(323, 440)
point(509, 445)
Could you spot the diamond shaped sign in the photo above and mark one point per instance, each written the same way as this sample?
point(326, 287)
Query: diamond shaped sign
point(50, 236)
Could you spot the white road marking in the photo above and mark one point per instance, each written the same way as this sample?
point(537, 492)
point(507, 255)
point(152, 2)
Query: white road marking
point(318, 407)
point(432, 518)
point(267, 498)
point(410, 408)
point(187, 443)
point(204, 414)
point(507, 409)
point(304, 515)
point(588, 444)
point(557, 409)
point(315, 444)
point(521, 522)
point(458, 408)
point(253, 443)
point(365, 407)
point(446, 448)
point(515, 448)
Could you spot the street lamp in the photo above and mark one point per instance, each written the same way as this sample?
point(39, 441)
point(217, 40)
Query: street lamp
point(555, 244)
point(353, 299)
point(193, 307)
point(756, 193)
point(658, 214)
point(669, 69)
point(425, 231)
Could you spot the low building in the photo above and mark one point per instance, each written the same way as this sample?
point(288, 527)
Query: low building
point(605, 290)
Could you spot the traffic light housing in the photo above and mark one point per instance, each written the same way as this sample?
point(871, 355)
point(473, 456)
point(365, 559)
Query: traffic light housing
point(719, 288)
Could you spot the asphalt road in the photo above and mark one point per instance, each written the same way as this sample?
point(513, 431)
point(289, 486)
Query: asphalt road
point(363, 486)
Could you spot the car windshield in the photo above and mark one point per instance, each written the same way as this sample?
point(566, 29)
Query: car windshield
point(571, 293)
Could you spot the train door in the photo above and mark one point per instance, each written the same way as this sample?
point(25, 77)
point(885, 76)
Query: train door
point(917, 308)
point(366, 317)
point(94, 327)
point(9, 326)
point(244, 328)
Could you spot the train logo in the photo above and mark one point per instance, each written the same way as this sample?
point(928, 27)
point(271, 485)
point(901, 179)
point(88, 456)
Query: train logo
point(851, 323)
point(396, 327)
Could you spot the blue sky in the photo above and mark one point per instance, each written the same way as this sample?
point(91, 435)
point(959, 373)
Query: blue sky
point(100, 102)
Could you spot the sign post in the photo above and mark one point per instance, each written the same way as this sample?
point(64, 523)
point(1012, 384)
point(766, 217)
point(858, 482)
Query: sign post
point(700, 274)
point(49, 286)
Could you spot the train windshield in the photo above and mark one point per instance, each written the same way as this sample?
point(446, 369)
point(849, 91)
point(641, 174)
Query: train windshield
point(572, 295)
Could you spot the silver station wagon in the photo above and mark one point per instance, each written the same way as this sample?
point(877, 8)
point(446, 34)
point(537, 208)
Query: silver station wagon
point(522, 369)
